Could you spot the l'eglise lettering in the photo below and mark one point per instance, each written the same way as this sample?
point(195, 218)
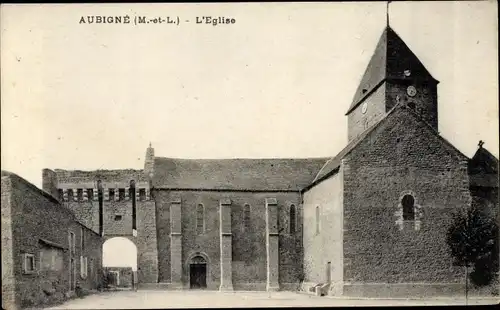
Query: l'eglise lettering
point(214, 20)
point(98, 19)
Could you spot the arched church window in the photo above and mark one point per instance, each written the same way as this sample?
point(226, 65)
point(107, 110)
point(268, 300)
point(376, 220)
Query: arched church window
point(200, 219)
point(317, 220)
point(292, 219)
point(246, 217)
point(408, 203)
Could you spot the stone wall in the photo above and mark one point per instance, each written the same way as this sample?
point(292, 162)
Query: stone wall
point(325, 245)
point(10, 298)
point(117, 211)
point(425, 100)
point(358, 122)
point(382, 253)
point(125, 275)
point(38, 221)
point(248, 245)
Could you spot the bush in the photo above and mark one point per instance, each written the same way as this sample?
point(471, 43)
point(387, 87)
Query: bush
point(473, 241)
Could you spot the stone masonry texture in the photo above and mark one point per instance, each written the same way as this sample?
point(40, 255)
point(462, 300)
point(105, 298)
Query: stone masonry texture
point(348, 238)
point(401, 156)
point(32, 219)
point(248, 245)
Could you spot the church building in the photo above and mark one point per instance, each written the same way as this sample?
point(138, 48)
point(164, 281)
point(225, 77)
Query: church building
point(369, 221)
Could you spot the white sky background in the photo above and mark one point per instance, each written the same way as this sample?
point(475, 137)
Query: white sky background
point(119, 252)
point(275, 84)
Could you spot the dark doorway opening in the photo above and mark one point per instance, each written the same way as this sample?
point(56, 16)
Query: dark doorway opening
point(198, 273)
point(198, 276)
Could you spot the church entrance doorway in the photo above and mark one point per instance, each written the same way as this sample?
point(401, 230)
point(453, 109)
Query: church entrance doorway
point(198, 273)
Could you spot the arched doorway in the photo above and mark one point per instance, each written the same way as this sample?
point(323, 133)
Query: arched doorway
point(198, 273)
point(119, 259)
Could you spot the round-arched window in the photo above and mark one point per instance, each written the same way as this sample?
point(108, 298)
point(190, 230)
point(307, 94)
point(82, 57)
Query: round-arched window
point(408, 203)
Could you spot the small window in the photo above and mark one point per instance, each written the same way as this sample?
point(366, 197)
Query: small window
point(317, 220)
point(121, 194)
point(246, 217)
point(118, 217)
point(29, 263)
point(293, 220)
point(142, 194)
point(200, 219)
point(60, 193)
point(411, 105)
point(111, 194)
point(408, 203)
point(70, 194)
point(90, 193)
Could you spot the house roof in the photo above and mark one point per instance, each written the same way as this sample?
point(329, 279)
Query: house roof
point(483, 161)
point(389, 61)
point(483, 169)
point(236, 174)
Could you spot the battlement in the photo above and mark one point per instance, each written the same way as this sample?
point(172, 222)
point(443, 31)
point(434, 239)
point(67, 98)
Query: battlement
point(82, 186)
point(82, 194)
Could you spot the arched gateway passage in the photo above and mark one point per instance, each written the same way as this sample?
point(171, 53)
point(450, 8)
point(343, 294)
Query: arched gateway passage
point(120, 254)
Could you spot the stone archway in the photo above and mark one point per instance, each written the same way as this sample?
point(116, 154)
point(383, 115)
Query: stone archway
point(119, 255)
point(198, 270)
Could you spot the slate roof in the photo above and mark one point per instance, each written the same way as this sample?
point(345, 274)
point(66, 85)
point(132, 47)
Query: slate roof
point(236, 174)
point(389, 61)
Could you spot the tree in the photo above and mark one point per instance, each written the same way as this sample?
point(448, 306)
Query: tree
point(473, 241)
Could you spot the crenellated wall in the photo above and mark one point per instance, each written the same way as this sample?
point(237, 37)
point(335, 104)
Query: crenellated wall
point(117, 209)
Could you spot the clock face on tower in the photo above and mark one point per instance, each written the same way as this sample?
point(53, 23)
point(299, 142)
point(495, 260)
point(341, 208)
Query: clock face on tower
point(411, 91)
point(364, 107)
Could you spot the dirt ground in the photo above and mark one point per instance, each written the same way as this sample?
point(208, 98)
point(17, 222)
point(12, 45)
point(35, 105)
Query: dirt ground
point(212, 299)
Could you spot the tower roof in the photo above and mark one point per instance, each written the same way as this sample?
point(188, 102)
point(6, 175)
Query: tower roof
point(391, 60)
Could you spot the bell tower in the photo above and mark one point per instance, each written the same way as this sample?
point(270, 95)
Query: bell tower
point(394, 76)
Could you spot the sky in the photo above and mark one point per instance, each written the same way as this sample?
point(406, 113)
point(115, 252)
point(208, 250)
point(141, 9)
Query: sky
point(276, 83)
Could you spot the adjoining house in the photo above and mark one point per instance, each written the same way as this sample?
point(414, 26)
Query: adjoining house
point(47, 254)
